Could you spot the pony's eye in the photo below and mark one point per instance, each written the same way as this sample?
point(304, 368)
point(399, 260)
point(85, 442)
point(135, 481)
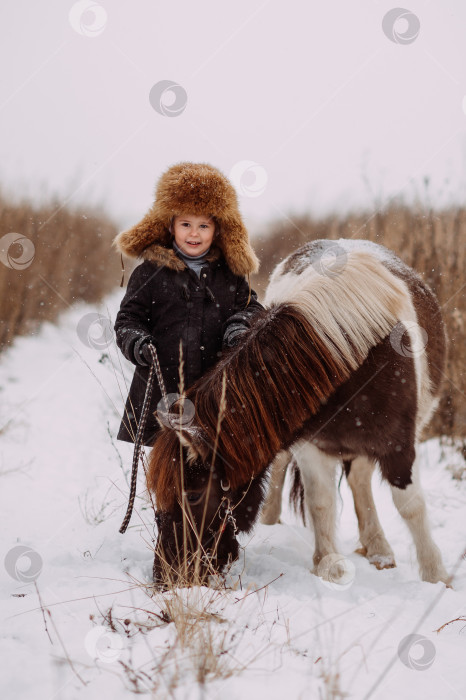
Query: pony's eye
point(194, 497)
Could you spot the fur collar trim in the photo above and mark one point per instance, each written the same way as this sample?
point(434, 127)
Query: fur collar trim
point(167, 257)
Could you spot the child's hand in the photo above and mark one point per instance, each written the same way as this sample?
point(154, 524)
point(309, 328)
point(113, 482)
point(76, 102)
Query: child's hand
point(233, 336)
point(142, 352)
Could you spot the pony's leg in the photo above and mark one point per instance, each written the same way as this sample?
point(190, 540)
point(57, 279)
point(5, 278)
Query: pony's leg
point(412, 507)
point(374, 544)
point(273, 502)
point(318, 476)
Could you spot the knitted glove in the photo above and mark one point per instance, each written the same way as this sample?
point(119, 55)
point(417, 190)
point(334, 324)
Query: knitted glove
point(142, 353)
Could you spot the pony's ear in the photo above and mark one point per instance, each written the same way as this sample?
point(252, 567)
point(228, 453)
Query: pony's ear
point(161, 421)
point(190, 435)
point(195, 443)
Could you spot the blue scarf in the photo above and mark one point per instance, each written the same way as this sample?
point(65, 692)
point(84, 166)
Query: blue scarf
point(195, 262)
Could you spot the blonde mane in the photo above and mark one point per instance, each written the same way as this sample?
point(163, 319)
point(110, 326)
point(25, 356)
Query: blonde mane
point(351, 309)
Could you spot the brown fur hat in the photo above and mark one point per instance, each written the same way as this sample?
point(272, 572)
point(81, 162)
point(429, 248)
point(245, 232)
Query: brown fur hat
point(191, 188)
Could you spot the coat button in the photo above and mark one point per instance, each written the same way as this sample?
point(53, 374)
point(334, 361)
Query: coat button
point(204, 275)
point(202, 347)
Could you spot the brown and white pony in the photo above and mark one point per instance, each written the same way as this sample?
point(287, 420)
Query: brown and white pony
point(339, 367)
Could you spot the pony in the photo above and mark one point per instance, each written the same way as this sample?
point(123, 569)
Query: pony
point(338, 368)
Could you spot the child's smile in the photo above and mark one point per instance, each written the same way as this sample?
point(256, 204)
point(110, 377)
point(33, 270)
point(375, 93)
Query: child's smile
point(193, 234)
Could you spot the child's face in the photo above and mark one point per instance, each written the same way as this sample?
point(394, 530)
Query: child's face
point(193, 234)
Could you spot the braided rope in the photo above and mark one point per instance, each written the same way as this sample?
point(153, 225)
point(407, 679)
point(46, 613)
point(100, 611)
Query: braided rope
point(142, 423)
point(158, 371)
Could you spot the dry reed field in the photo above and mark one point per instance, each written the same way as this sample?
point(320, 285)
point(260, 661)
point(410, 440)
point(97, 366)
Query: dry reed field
point(432, 242)
point(59, 255)
point(65, 255)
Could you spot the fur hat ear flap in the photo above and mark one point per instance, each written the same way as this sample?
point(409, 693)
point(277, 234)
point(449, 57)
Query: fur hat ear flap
point(133, 241)
point(236, 249)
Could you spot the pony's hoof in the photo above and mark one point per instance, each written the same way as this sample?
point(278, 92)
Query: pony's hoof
point(381, 557)
point(335, 569)
point(439, 575)
point(381, 561)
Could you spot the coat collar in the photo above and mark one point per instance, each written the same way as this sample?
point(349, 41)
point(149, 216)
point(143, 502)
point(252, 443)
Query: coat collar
point(167, 257)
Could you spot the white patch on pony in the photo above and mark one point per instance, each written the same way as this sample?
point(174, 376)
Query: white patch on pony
point(426, 401)
point(351, 310)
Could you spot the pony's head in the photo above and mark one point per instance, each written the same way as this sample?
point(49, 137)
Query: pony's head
point(199, 512)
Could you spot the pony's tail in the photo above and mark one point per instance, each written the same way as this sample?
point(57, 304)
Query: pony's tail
point(297, 487)
point(297, 491)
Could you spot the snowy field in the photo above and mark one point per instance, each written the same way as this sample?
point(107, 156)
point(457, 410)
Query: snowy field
point(270, 630)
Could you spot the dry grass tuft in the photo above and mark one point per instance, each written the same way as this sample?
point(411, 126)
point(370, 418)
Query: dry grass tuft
point(200, 643)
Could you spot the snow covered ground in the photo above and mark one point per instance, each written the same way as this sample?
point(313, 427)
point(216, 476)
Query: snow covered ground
point(275, 632)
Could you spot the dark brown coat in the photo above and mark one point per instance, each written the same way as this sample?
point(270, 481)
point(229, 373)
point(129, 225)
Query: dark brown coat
point(167, 301)
point(172, 307)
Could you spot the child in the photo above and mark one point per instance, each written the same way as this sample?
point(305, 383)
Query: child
point(189, 287)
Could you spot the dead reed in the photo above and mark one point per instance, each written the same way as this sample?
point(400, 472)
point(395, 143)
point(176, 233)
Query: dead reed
point(60, 255)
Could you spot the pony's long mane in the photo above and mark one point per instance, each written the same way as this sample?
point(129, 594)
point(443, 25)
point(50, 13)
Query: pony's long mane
point(295, 356)
point(162, 476)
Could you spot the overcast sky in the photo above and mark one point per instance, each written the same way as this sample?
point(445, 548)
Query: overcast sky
point(308, 106)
